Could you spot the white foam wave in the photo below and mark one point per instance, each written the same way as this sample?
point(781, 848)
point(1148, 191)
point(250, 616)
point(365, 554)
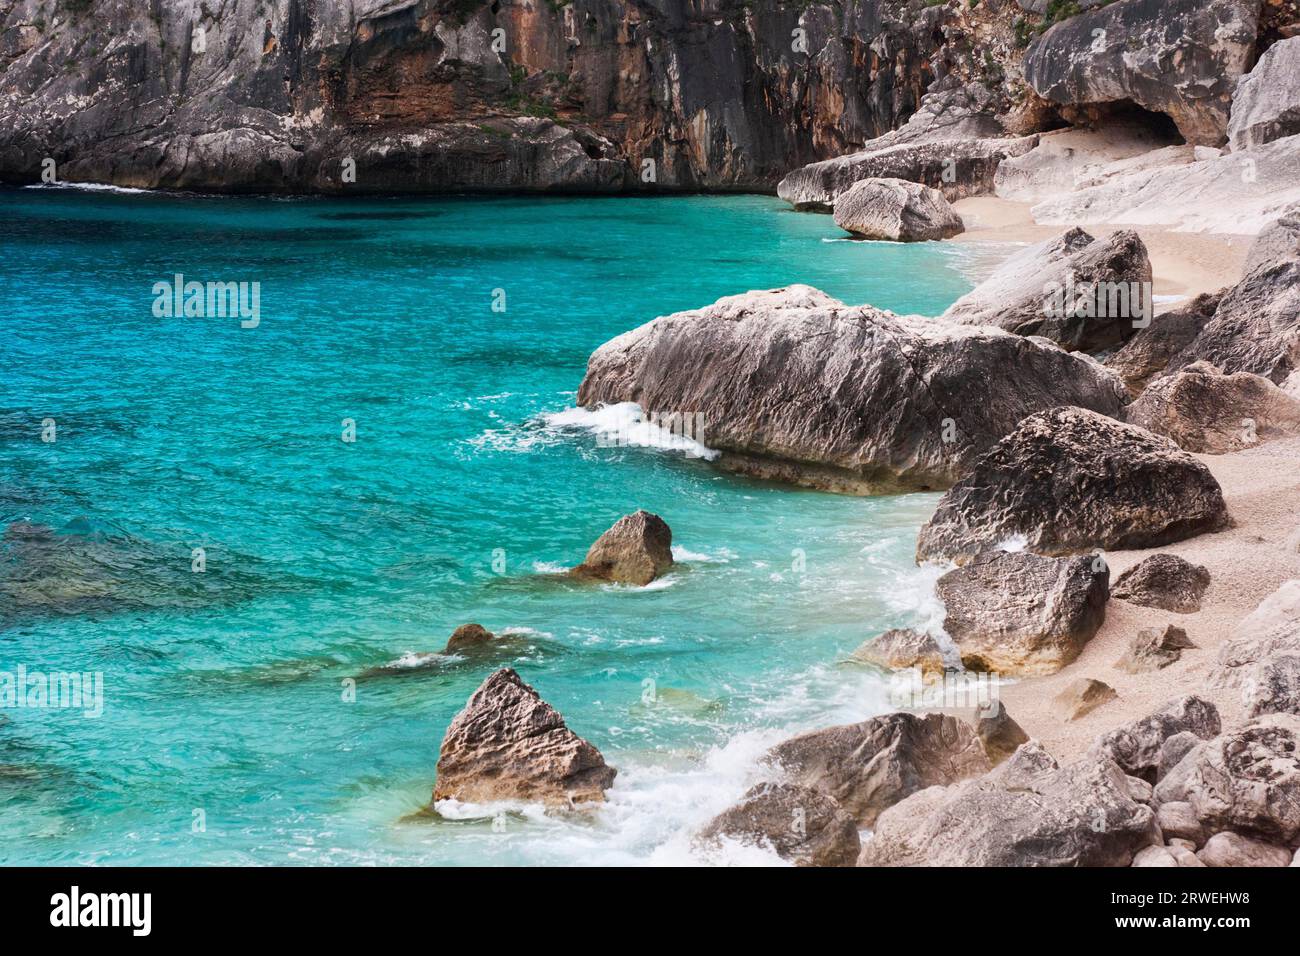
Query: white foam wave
point(720, 556)
point(89, 187)
point(625, 425)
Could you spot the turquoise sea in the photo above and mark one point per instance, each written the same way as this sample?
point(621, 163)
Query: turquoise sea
point(226, 735)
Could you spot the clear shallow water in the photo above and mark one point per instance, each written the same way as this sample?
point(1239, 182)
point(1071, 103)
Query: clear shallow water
point(224, 690)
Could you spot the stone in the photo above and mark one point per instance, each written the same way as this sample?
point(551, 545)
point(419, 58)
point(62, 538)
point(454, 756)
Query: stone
point(1153, 649)
point(1246, 780)
point(1274, 688)
point(901, 648)
point(1066, 159)
point(1081, 293)
point(794, 383)
point(1266, 104)
point(636, 550)
point(1184, 856)
point(1207, 412)
point(1174, 749)
point(869, 766)
point(1179, 57)
point(1273, 628)
point(1154, 856)
point(1000, 735)
point(1163, 581)
point(509, 744)
point(1178, 820)
point(468, 637)
point(1232, 849)
point(1070, 480)
point(1139, 746)
point(802, 825)
point(1020, 613)
point(1027, 812)
point(1081, 697)
point(896, 210)
point(1148, 353)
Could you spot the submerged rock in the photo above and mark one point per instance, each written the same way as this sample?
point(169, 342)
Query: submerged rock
point(800, 387)
point(509, 744)
point(902, 648)
point(896, 210)
point(1178, 57)
point(1139, 747)
point(636, 550)
point(1020, 613)
point(468, 637)
point(1070, 480)
point(1027, 812)
point(801, 824)
point(872, 765)
point(1081, 293)
point(1148, 353)
point(1266, 104)
point(1081, 697)
point(1207, 412)
point(1164, 581)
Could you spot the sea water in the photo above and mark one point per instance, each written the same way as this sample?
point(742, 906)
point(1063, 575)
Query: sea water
point(230, 524)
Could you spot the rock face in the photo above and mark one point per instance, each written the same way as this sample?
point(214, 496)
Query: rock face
point(902, 648)
point(1068, 480)
point(1164, 581)
point(1256, 327)
point(1139, 747)
point(1246, 780)
point(1069, 158)
point(1275, 687)
point(1266, 105)
point(800, 387)
point(1082, 293)
point(1272, 629)
point(1148, 353)
point(1153, 649)
point(636, 550)
point(869, 766)
point(1177, 57)
point(801, 824)
point(896, 210)
point(1207, 412)
point(1027, 812)
point(1230, 849)
point(423, 96)
point(509, 744)
point(1020, 613)
point(1081, 697)
point(467, 637)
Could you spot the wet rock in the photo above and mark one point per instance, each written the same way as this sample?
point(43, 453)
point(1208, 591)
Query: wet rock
point(1180, 57)
point(1232, 849)
point(1266, 104)
point(1020, 613)
point(1082, 293)
point(1272, 629)
point(1139, 747)
point(1163, 581)
point(1148, 353)
point(801, 824)
point(901, 648)
point(1027, 812)
point(1246, 780)
point(1000, 735)
point(1069, 480)
point(896, 210)
point(509, 744)
point(468, 637)
point(1153, 649)
point(872, 765)
point(1207, 412)
point(1081, 697)
point(636, 550)
point(793, 383)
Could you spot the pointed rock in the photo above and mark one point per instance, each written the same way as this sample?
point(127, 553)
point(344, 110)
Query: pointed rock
point(1081, 697)
point(636, 550)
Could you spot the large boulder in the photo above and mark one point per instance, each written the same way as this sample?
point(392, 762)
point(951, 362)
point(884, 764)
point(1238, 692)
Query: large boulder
point(1070, 480)
point(1275, 686)
point(1232, 849)
point(1138, 746)
point(900, 648)
point(1207, 412)
point(1266, 105)
point(1163, 581)
point(800, 824)
point(896, 210)
point(869, 766)
point(468, 638)
point(1272, 629)
point(1027, 812)
point(509, 744)
point(1148, 353)
point(1177, 57)
point(1080, 292)
point(1021, 613)
point(1256, 326)
point(1246, 780)
point(636, 550)
point(801, 387)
